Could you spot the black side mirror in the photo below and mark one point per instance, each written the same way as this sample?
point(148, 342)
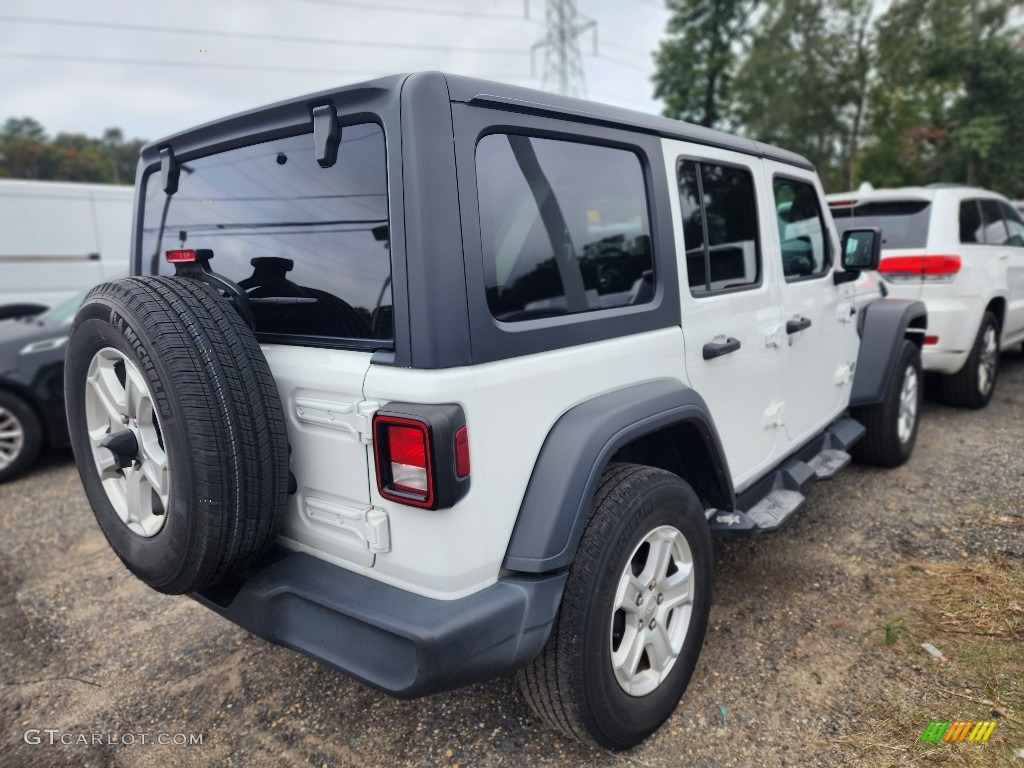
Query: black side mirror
point(862, 248)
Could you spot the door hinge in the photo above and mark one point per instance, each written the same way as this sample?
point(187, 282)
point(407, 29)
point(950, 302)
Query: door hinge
point(775, 336)
point(365, 528)
point(355, 418)
point(845, 312)
point(843, 375)
point(773, 417)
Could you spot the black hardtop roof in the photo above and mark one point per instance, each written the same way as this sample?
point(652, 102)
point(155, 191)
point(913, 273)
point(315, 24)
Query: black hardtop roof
point(483, 92)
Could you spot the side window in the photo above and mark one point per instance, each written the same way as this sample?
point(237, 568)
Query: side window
point(564, 227)
point(719, 214)
point(995, 228)
point(1013, 224)
point(802, 232)
point(972, 230)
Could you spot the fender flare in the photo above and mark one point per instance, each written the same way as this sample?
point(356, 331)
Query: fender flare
point(883, 325)
point(579, 446)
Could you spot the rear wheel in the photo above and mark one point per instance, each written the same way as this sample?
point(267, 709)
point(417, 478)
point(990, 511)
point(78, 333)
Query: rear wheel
point(972, 386)
point(633, 615)
point(177, 429)
point(891, 426)
point(21, 436)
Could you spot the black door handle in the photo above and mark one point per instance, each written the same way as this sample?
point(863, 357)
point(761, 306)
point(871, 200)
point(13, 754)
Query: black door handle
point(798, 324)
point(713, 349)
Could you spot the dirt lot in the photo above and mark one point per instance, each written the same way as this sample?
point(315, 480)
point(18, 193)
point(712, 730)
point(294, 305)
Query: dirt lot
point(813, 656)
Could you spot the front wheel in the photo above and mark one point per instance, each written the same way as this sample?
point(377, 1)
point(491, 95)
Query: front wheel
point(891, 426)
point(634, 612)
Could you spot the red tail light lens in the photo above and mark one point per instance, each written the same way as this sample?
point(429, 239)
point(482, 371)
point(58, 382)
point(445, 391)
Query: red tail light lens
point(462, 453)
point(931, 340)
point(943, 267)
point(421, 453)
point(403, 456)
point(180, 256)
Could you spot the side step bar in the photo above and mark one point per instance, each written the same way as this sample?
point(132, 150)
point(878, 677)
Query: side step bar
point(770, 503)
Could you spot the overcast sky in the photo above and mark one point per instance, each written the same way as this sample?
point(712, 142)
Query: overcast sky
point(172, 65)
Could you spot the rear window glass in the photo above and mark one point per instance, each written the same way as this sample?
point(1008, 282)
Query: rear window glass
point(310, 245)
point(564, 227)
point(904, 224)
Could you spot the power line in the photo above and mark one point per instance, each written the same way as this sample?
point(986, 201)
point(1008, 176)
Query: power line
point(423, 11)
point(340, 72)
point(623, 63)
point(251, 35)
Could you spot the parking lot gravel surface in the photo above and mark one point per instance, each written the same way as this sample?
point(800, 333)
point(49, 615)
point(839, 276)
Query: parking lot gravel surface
point(794, 660)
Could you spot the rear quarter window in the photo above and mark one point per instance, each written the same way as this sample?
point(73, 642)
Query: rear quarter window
point(904, 224)
point(564, 227)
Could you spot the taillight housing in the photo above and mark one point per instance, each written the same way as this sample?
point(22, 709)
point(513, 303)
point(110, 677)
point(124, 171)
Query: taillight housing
point(930, 268)
point(422, 454)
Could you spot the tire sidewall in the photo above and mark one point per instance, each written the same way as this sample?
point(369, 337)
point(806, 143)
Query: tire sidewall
point(910, 358)
point(159, 559)
point(626, 719)
point(981, 399)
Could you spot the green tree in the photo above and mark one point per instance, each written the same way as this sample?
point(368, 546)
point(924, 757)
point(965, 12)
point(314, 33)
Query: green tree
point(948, 98)
point(27, 152)
point(803, 84)
point(695, 63)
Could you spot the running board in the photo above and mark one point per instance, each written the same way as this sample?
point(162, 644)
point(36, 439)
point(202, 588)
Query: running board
point(770, 503)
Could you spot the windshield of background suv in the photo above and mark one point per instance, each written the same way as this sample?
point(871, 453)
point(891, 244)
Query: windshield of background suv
point(904, 224)
point(310, 244)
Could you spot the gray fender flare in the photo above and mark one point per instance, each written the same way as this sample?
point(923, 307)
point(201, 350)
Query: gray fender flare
point(565, 477)
point(883, 325)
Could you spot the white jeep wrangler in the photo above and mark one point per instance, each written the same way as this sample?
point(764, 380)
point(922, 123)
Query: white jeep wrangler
point(434, 379)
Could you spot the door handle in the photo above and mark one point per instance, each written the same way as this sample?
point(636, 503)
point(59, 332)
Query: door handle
point(717, 349)
point(798, 324)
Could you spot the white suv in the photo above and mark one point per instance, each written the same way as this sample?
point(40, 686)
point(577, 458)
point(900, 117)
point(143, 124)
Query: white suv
point(961, 251)
point(440, 379)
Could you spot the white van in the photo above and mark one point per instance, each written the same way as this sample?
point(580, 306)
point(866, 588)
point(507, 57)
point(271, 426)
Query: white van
point(57, 238)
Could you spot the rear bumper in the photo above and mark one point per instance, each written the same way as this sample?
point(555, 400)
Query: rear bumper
point(955, 321)
point(404, 644)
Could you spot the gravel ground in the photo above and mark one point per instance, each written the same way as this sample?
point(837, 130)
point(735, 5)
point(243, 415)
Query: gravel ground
point(793, 664)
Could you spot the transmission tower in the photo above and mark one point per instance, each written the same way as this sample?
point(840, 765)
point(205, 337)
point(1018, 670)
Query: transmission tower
point(563, 64)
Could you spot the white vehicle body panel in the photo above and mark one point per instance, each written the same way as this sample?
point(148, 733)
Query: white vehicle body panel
point(510, 406)
point(57, 238)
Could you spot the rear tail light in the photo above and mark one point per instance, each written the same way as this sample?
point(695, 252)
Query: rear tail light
point(929, 268)
point(931, 341)
point(422, 454)
point(182, 256)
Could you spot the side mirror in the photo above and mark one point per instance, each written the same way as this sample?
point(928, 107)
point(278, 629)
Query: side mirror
point(862, 248)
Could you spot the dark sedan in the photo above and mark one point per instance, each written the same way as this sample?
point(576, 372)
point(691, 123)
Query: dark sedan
point(32, 386)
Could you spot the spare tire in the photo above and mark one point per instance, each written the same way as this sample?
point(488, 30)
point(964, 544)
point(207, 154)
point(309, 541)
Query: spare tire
point(178, 430)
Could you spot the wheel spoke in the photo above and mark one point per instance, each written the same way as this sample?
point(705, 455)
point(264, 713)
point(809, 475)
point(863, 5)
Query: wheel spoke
point(136, 394)
point(678, 591)
point(631, 650)
point(658, 558)
point(108, 392)
point(629, 591)
point(135, 494)
point(659, 649)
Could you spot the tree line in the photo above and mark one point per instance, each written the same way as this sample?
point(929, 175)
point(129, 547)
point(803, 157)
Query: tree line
point(28, 152)
point(925, 91)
